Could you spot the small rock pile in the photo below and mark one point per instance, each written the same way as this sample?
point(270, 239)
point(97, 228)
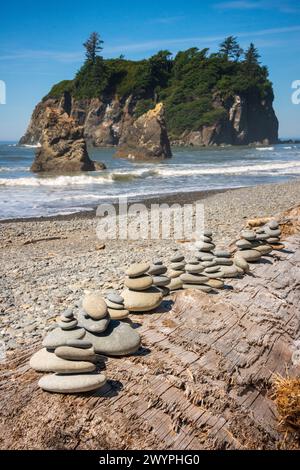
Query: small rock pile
point(252, 246)
point(115, 306)
point(193, 278)
point(271, 232)
point(140, 295)
point(160, 280)
point(71, 358)
point(177, 268)
point(109, 337)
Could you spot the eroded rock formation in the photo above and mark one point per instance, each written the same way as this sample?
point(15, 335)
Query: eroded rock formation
point(147, 138)
point(63, 147)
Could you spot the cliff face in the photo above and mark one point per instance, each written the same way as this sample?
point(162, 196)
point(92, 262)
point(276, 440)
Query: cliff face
point(147, 138)
point(107, 122)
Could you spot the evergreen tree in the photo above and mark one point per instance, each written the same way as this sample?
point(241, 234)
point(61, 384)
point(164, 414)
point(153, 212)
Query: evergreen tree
point(230, 48)
point(92, 46)
point(252, 55)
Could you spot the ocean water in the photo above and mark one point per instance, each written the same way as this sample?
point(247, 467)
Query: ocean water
point(23, 194)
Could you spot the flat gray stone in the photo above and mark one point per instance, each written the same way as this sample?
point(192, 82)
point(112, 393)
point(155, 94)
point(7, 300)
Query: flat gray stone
point(206, 247)
point(67, 325)
point(173, 274)
point(157, 270)
point(177, 266)
point(94, 326)
point(75, 354)
point(202, 287)
point(222, 254)
point(273, 240)
point(203, 256)
point(79, 343)
point(194, 268)
point(209, 264)
point(262, 236)
point(137, 269)
point(264, 249)
point(158, 262)
point(273, 225)
point(249, 255)
point(68, 313)
point(248, 235)
point(114, 305)
point(177, 258)
point(212, 269)
point(120, 339)
point(244, 244)
point(207, 233)
point(161, 281)
point(72, 383)
point(230, 272)
point(175, 284)
point(45, 361)
point(193, 279)
point(94, 305)
point(138, 283)
point(66, 319)
point(224, 261)
point(59, 337)
point(273, 233)
point(116, 298)
point(205, 239)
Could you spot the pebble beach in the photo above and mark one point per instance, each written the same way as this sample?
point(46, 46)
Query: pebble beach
point(47, 265)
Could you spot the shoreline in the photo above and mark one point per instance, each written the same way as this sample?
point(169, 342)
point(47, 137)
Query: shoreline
point(168, 198)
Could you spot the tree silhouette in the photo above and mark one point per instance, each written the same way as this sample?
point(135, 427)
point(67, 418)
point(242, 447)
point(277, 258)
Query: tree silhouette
point(230, 48)
point(92, 46)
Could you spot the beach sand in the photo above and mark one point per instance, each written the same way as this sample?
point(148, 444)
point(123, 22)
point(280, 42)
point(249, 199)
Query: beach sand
point(48, 264)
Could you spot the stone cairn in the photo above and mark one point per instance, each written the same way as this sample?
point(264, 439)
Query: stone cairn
point(271, 232)
point(251, 247)
point(140, 294)
point(70, 350)
point(70, 357)
point(115, 305)
point(177, 268)
point(160, 280)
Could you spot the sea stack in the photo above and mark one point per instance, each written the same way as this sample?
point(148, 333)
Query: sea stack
point(62, 146)
point(70, 357)
point(140, 295)
point(147, 138)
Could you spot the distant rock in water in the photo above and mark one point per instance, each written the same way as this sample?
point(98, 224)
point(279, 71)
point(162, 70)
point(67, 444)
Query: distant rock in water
point(147, 138)
point(63, 148)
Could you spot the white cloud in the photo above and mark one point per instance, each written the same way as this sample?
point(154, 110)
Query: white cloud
point(146, 46)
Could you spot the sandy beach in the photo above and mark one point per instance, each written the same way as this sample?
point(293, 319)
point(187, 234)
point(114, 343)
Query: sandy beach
point(47, 265)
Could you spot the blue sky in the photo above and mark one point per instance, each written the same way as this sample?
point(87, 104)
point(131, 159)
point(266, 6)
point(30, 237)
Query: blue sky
point(41, 43)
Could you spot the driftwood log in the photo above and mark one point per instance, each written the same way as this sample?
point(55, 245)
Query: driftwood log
point(201, 381)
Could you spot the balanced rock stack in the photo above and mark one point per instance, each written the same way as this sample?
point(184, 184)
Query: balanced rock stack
point(70, 357)
point(109, 337)
point(177, 268)
point(227, 266)
point(140, 294)
point(251, 247)
point(115, 306)
point(160, 280)
point(271, 232)
point(193, 278)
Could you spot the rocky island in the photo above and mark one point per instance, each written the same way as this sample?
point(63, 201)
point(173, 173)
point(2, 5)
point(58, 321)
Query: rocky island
point(222, 98)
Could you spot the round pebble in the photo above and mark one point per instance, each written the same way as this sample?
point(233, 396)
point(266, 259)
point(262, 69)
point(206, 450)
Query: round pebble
point(95, 306)
point(138, 269)
point(114, 297)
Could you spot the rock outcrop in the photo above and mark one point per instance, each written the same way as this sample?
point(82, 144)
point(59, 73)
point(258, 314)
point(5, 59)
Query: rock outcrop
point(63, 147)
point(109, 121)
point(147, 138)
